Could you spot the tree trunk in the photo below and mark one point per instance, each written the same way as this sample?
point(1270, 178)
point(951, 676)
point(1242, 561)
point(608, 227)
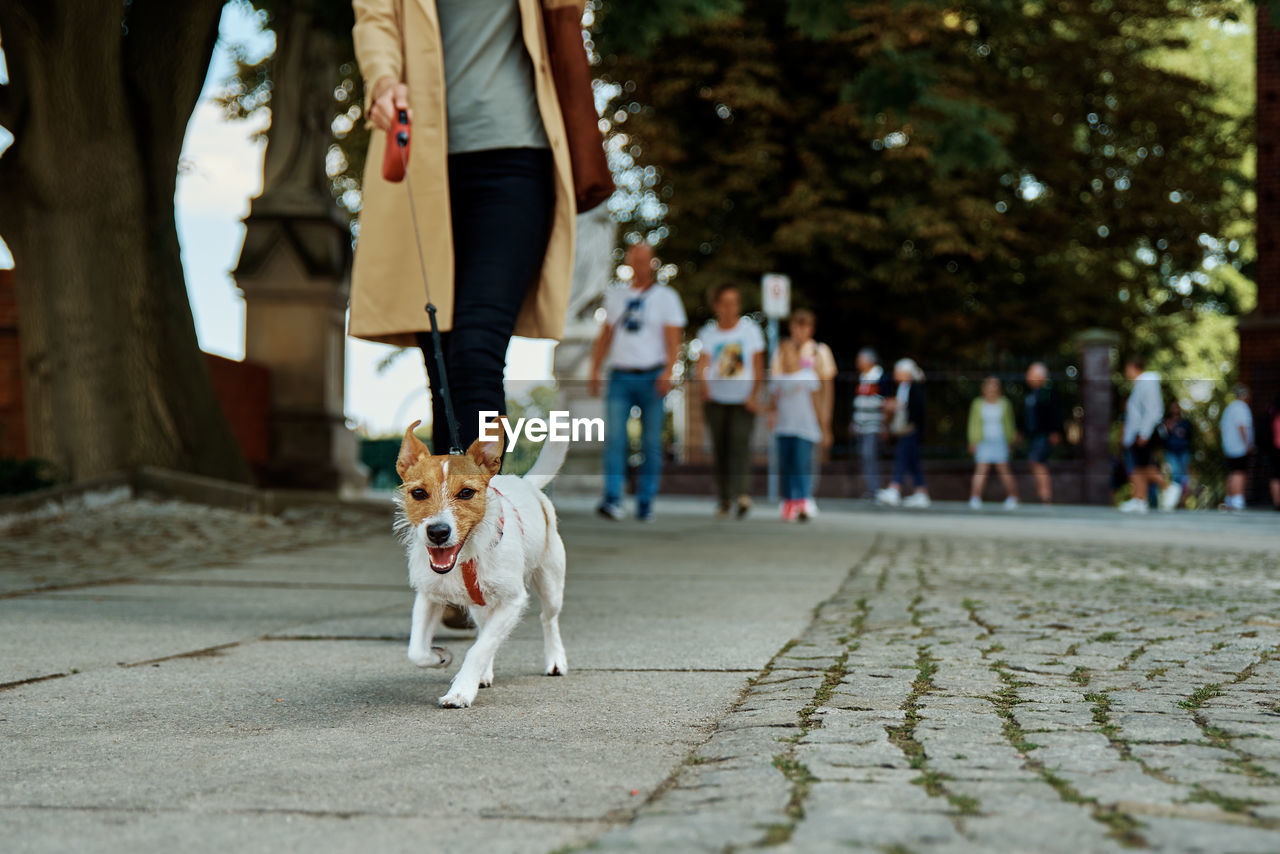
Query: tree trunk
point(98, 101)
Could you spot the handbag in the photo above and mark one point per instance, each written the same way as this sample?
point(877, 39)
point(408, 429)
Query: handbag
point(571, 71)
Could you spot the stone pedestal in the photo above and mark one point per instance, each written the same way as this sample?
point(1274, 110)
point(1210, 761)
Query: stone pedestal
point(293, 274)
point(1097, 360)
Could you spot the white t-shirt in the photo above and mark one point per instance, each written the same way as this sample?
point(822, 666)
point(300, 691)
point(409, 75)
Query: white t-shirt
point(730, 353)
point(639, 320)
point(1235, 416)
point(794, 396)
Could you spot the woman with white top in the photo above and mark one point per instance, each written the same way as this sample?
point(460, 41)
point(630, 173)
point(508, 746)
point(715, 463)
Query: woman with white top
point(991, 431)
point(796, 396)
point(731, 367)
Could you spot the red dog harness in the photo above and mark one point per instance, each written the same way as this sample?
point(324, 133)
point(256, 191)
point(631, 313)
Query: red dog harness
point(469, 566)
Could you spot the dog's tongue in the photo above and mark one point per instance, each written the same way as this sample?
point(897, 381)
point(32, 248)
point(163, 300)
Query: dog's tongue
point(443, 559)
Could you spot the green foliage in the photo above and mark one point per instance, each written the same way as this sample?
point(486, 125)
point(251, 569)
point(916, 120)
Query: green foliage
point(952, 182)
point(249, 88)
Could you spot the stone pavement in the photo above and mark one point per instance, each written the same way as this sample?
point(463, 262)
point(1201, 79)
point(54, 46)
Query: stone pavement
point(891, 682)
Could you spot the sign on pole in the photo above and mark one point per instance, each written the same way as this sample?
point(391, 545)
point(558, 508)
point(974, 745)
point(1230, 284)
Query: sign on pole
point(777, 295)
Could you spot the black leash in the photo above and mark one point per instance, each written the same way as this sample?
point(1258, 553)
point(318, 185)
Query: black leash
point(402, 141)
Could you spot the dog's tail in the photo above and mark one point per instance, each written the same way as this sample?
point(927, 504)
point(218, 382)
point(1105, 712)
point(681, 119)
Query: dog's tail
point(547, 465)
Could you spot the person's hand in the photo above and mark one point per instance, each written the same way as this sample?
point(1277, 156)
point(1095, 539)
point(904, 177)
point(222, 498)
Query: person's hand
point(752, 405)
point(663, 384)
point(706, 390)
point(389, 96)
point(828, 438)
point(771, 421)
point(1140, 442)
point(1055, 439)
point(593, 385)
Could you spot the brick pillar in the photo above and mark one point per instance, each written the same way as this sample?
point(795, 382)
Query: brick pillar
point(1097, 359)
point(13, 423)
point(1260, 330)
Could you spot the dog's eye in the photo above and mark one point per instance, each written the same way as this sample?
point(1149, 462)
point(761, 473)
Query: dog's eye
point(418, 493)
point(466, 493)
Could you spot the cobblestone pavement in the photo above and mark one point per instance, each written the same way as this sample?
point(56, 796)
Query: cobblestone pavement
point(1004, 695)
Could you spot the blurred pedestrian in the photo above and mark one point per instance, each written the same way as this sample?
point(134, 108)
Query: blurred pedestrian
point(817, 357)
point(1236, 427)
point(795, 394)
point(731, 366)
point(868, 416)
point(641, 337)
point(1043, 427)
point(991, 431)
point(1143, 412)
point(1273, 449)
point(906, 424)
point(1175, 435)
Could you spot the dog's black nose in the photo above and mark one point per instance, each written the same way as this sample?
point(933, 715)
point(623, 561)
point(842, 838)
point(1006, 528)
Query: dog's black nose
point(438, 533)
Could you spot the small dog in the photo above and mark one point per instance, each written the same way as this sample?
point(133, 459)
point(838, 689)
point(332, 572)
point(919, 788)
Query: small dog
point(479, 539)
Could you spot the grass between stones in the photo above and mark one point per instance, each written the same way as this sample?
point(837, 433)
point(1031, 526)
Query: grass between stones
point(1121, 826)
point(904, 738)
point(796, 772)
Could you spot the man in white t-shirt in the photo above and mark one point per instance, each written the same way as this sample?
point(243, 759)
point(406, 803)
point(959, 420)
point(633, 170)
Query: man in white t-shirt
point(731, 368)
point(1236, 427)
point(641, 337)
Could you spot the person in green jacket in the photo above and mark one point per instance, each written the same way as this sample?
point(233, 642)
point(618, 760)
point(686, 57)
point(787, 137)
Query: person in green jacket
point(991, 431)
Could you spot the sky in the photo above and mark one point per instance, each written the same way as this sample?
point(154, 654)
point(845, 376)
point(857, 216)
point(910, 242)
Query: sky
point(221, 172)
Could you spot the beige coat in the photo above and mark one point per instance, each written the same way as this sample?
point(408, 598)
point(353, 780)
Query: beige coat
point(401, 39)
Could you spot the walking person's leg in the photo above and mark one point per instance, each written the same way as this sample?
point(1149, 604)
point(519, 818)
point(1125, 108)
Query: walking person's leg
point(979, 480)
point(506, 192)
point(651, 418)
point(1039, 457)
point(869, 450)
point(1006, 477)
point(805, 462)
point(740, 423)
point(617, 411)
point(917, 471)
point(784, 448)
point(717, 419)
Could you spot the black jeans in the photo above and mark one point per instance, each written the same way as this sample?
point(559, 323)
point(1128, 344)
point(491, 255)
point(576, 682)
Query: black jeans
point(502, 202)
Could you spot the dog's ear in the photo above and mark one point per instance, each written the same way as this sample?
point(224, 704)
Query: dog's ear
point(487, 452)
point(411, 450)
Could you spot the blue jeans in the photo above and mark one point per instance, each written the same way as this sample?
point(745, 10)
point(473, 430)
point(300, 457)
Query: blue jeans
point(869, 452)
point(1179, 466)
point(627, 390)
point(795, 467)
point(906, 460)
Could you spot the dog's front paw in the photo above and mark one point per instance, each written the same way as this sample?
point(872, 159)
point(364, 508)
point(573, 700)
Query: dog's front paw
point(457, 700)
point(434, 657)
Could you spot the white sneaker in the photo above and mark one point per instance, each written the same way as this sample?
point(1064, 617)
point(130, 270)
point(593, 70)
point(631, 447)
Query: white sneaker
point(890, 497)
point(1170, 496)
point(1134, 505)
point(919, 500)
point(975, 503)
point(1011, 503)
point(811, 508)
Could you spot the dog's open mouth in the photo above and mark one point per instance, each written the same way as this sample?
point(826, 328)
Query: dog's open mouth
point(442, 560)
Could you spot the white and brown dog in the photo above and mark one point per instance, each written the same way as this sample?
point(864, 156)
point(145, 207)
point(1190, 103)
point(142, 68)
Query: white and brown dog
point(479, 540)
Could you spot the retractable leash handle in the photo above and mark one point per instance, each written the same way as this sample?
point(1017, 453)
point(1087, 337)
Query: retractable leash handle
point(395, 168)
